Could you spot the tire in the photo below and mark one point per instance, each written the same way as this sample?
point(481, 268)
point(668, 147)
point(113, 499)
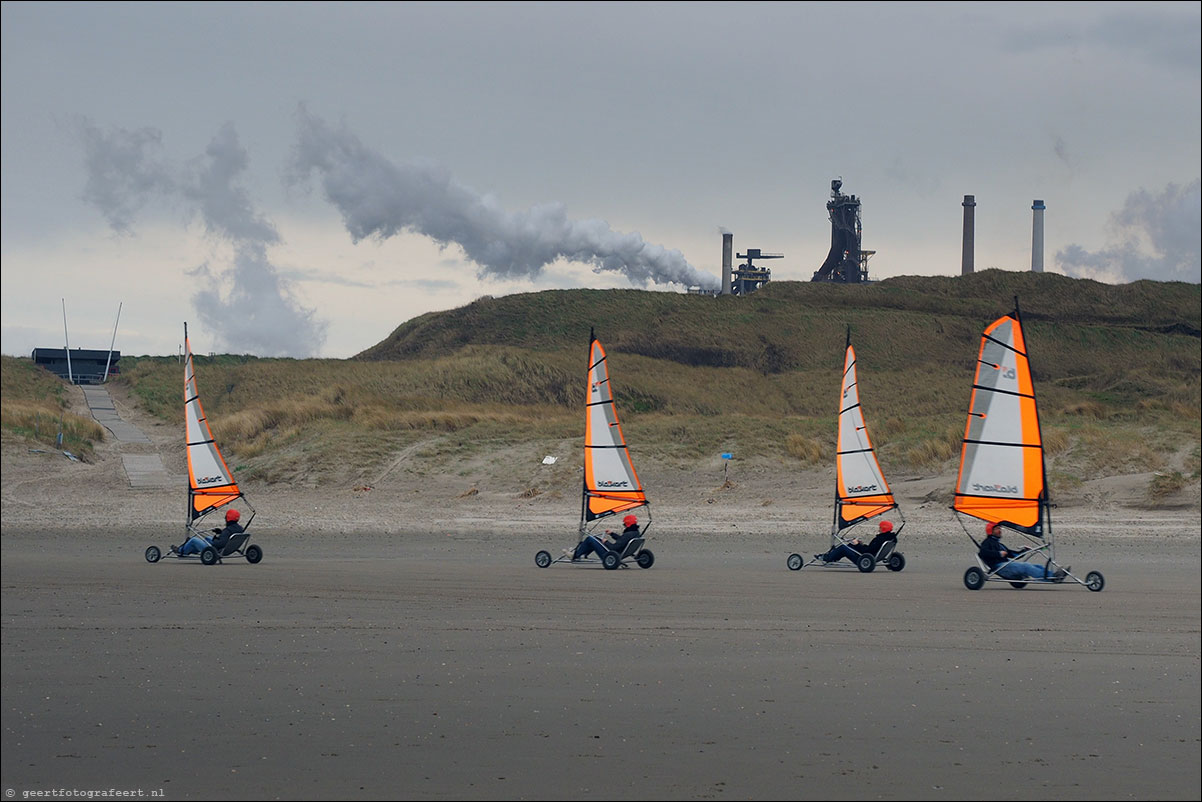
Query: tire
point(153, 554)
point(610, 561)
point(645, 559)
point(974, 579)
point(1019, 585)
point(794, 562)
point(254, 554)
point(1095, 581)
point(866, 563)
point(209, 556)
point(896, 562)
point(542, 559)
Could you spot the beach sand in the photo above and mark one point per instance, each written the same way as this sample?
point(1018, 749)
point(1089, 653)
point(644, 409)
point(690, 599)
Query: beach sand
point(399, 642)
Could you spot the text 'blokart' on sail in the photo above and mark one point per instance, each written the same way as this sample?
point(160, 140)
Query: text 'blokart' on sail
point(611, 485)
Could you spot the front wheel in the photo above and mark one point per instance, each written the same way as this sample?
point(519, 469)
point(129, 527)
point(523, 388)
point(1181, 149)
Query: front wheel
point(254, 554)
point(645, 559)
point(1095, 581)
point(153, 554)
point(610, 561)
point(974, 579)
point(209, 556)
point(542, 559)
point(794, 562)
point(896, 562)
point(866, 563)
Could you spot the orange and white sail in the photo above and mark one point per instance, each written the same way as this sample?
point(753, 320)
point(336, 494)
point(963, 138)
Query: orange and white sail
point(861, 490)
point(1002, 477)
point(210, 483)
point(611, 485)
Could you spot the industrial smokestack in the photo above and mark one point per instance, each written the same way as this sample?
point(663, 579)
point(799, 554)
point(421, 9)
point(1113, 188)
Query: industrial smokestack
point(1037, 208)
point(728, 248)
point(970, 203)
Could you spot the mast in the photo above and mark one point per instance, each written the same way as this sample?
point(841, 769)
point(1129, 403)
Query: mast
point(838, 424)
point(1045, 505)
point(584, 473)
point(187, 365)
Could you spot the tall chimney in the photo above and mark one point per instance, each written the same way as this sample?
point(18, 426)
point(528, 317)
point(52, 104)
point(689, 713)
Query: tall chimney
point(728, 248)
point(1037, 208)
point(970, 203)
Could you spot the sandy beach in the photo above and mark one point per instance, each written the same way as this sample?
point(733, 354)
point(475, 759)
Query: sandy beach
point(400, 642)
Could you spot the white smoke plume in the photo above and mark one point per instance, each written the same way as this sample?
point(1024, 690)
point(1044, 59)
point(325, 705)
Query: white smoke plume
point(258, 313)
point(380, 199)
point(1157, 236)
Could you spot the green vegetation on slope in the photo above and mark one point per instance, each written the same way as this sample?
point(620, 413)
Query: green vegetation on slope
point(35, 409)
point(1117, 369)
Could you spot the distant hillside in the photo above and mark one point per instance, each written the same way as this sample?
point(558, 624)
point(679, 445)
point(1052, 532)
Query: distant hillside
point(1118, 371)
point(791, 325)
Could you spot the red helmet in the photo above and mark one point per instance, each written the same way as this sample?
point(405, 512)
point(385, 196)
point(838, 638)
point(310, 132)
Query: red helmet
point(886, 526)
point(630, 520)
point(990, 528)
point(232, 515)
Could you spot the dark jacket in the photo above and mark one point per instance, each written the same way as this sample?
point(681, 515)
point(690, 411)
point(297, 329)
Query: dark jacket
point(222, 536)
point(874, 546)
point(877, 543)
point(991, 551)
point(620, 541)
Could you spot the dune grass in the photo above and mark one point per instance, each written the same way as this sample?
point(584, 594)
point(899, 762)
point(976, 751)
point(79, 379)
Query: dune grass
point(34, 409)
point(1117, 369)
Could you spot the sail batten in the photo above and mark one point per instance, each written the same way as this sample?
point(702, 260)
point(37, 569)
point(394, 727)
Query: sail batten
point(861, 491)
point(611, 484)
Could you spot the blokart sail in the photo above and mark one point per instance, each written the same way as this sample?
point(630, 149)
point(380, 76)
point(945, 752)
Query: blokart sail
point(611, 484)
point(211, 484)
point(1003, 475)
point(861, 492)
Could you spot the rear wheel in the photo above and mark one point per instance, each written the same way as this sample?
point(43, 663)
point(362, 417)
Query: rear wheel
point(794, 562)
point(153, 554)
point(896, 562)
point(610, 561)
point(542, 559)
point(645, 559)
point(866, 563)
point(1095, 581)
point(208, 556)
point(1019, 585)
point(254, 554)
point(974, 579)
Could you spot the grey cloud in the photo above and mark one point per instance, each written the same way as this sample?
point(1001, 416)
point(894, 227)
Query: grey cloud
point(380, 199)
point(1169, 37)
point(124, 170)
point(259, 313)
point(1157, 236)
point(225, 206)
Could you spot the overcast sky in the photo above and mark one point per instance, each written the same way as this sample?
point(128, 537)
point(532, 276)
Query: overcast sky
point(300, 179)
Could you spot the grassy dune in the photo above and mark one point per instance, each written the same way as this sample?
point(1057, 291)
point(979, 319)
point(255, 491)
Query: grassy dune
point(1117, 369)
point(34, 410)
